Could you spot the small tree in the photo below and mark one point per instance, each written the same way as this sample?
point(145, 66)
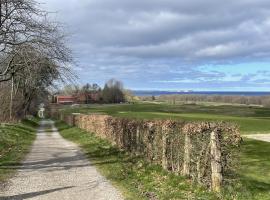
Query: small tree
point(86, 89)
point(113, 92)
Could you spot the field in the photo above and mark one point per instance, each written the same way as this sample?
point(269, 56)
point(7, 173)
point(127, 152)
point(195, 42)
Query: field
point(253, 174)
point(250, 119)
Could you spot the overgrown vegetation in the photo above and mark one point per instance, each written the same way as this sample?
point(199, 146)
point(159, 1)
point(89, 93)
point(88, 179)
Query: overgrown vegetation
point(139, 180)
point(15, 141)
point(132, 175)
point(203, 151)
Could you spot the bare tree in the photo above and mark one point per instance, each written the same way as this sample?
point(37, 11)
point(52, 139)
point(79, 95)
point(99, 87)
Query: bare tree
point(113, 92)
point(38, 72)
point(33, 54)
point(23, 23)
point(20, 21)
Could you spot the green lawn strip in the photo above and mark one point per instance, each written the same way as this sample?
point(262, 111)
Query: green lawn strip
point(15, 142)
point(229, 110)
point(248, 125)
point(251, 120)
point(132, 175)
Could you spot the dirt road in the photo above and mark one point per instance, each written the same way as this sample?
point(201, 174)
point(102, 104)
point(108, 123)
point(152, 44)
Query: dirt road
point(56, 169)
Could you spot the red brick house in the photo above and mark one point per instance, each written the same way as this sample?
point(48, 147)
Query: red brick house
point(91, 97)
point(65, 99)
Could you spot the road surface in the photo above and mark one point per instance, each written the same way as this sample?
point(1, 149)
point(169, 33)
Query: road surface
point(56, 169)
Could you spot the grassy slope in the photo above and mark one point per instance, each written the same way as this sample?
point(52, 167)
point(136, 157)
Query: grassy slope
point(15, 141)
point(139, 180)
point(250, 119)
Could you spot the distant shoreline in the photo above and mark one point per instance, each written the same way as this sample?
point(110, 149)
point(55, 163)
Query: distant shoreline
point(223, 93)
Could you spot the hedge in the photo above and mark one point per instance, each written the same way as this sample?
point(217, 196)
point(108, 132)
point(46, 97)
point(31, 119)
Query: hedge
point(206, 152)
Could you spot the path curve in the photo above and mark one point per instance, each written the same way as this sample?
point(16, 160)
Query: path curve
point(56, 169)
point(261, 137)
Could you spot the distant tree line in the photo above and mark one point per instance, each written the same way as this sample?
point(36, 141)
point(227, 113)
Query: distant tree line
point(33, 55)
point(247, 100)
point(112, 92)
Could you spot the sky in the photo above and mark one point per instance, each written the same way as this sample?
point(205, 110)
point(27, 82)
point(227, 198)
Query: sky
point(201, 45)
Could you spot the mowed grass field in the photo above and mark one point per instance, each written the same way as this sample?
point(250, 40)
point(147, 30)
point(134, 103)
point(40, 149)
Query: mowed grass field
point(254, 171)
point(251, 120)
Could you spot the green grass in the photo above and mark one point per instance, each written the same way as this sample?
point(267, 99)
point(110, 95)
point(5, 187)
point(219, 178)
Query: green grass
point(247, 125)
point(254, 170)
point(15, 142)
point(251, 119)
point(139, 180)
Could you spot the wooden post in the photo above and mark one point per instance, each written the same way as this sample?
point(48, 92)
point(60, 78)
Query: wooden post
point(215, 162)
point(11, 96)
point(187, 152)
point(138, 140)
point(171, 152)
point(150, 145)
point(164, 148)
point(178, 159)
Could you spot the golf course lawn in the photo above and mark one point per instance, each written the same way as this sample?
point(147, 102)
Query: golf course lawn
point(251, 120)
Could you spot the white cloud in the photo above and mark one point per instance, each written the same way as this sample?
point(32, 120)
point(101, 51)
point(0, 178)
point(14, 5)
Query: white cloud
point(147, 38)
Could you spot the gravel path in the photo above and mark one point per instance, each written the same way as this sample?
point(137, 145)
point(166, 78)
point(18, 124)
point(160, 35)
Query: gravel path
point(57, 169)
point(262, 137)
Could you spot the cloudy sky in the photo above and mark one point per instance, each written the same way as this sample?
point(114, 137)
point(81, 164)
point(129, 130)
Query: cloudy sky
point(169, 44)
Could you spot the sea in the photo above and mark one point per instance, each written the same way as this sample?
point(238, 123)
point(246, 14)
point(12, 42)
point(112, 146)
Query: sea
point(224, 93)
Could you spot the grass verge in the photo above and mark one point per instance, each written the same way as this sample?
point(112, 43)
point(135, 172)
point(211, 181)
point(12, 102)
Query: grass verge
point(254, 170)
point(15, 142)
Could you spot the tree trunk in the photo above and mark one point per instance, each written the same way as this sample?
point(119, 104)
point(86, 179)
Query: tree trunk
point(164, 149)
point(11, 98)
